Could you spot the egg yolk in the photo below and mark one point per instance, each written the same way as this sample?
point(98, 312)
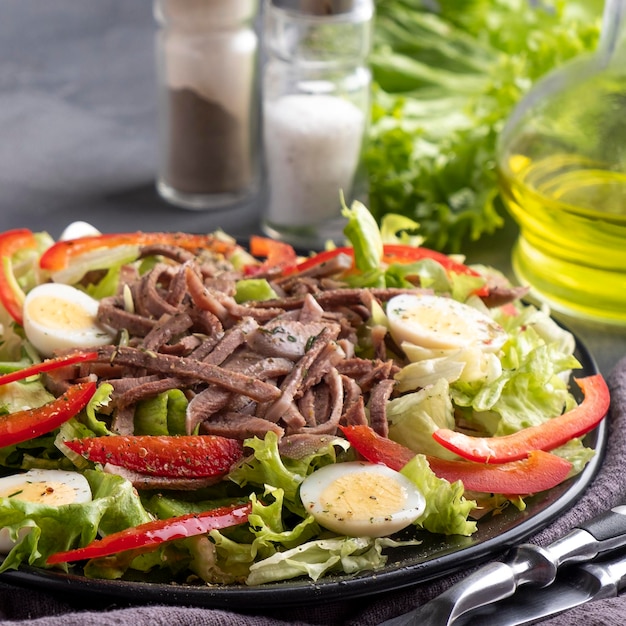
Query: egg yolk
point(59, 313)
point(362, 497)
point(40, 492)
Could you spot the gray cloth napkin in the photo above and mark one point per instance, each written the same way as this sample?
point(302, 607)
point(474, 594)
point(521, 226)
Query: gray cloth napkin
point(608, 489)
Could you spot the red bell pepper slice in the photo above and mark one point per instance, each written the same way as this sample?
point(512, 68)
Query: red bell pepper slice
point(30, 423)
point(547, 436)
point(149, 535)
point(278, 255)
point(47, 366)
point(11, 295)
point(61, 254)
point(538, 472)
point(184, 456)
point(398, 253)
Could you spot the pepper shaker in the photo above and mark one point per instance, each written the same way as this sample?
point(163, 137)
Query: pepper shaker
point(316, 99)
point(207, 61)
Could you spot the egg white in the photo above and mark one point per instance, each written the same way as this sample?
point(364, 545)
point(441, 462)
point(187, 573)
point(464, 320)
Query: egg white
point(442, 323)
point(41, 486)
point(60, 317)
point(74, 230)
point(361, 499)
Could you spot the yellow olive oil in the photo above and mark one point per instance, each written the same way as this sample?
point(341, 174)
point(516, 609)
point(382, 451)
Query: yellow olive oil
point(572, 246)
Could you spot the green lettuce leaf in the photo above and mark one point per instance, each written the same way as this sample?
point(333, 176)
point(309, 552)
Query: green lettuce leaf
point(161, 415)
point(254, 289)
point(413, 417)
point(267, 467)
point(444, 82)
point(537, 361)
point(447, 509)
point(50, 529)
point(317, 558)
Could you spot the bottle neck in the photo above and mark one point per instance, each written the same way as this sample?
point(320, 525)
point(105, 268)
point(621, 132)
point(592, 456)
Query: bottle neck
point(613, 34)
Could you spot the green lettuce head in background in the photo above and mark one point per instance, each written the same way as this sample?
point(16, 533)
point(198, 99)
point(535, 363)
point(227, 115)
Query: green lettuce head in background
point(446, 76)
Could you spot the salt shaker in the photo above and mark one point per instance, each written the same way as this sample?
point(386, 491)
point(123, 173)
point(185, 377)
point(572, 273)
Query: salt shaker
point(316, 100)
point(207, 66)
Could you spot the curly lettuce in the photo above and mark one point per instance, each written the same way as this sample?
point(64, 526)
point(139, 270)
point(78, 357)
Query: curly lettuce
point(444, 82)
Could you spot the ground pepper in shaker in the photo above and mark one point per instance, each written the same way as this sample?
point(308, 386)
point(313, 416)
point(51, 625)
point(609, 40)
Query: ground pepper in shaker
point(207, 60)
point(316, 99)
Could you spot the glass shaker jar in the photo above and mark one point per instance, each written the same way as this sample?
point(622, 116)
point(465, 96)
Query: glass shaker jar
point(207, 61)
point(316, 99)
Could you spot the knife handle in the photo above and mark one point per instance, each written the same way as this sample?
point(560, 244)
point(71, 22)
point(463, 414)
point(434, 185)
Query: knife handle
point(609, 526)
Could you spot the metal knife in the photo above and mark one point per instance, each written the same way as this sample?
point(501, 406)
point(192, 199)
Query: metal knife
point(527, 564)
point(575, 585)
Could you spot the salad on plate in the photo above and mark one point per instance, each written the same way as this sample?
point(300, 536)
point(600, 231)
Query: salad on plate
point(179, 407)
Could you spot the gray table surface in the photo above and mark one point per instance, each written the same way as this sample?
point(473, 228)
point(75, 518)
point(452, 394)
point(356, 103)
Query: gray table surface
point(78, 134)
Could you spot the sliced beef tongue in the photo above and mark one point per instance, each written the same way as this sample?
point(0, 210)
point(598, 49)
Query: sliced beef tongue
point(328, 424)
point(111, 312)
point(377, 406)
point(149, 482)
point(290, 385)
point(288, 338)
point(285, 365)
point(191, 369)
point(234, 337)
point(168, 326)
point(301, 445)
point(150, 293)
point(239, 426)
point(214, 399)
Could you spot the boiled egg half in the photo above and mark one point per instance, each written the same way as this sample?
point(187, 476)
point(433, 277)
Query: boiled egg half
point(41, 486)
point(59, 317)
point(79, 229)
point(442, 323)
point(361, 499)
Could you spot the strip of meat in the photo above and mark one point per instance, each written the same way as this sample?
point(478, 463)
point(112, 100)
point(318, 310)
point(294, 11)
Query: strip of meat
point(337, 297)
point(366, 372)
point(145, 481)
point(205, 404)
point(499, 295)
point(378, 406)
point(292, 381)
point(301, 445)
point(310, 403)
point(232, 339)
point(183, 346)
point(149, 389)
point(124, 384)
point(330, 356)
point(355, 414)
point(123, 422)
point(177, 289)
point(378, 335)
point(202, 297)
point(149, 300)
point(179, 255)
point(239, 426)
point(311, 310)
point(288, 338)
point(168, 326)
point(111, 313)
point(335, 388)
point(190, 368)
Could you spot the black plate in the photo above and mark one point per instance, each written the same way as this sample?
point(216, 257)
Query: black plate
point(435, 557)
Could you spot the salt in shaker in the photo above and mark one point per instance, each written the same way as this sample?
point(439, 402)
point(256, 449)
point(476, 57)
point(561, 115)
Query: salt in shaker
point(316, 99)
